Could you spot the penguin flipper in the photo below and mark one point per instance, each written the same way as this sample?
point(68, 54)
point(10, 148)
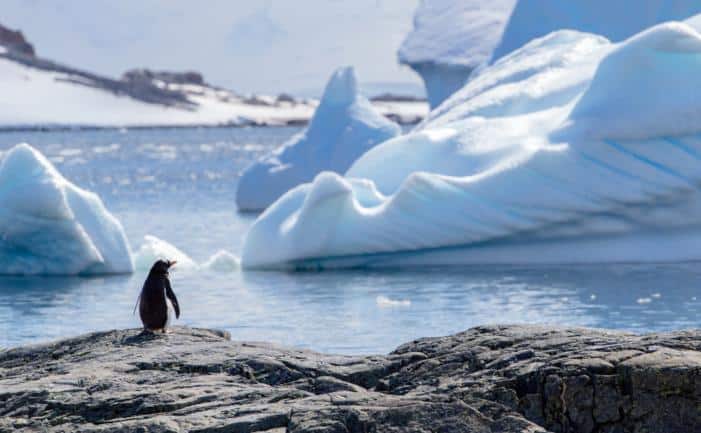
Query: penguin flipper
point(138, 299)
point(173, 299)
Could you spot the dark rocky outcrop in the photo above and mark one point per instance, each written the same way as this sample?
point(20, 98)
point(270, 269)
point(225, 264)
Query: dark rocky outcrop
point(147, 75)
point(487, 379)
point(14, 41)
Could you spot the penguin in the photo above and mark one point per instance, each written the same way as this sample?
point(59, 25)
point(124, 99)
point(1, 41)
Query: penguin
point(153, 307)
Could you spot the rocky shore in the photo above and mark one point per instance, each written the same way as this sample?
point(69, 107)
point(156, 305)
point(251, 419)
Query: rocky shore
point(488, 379)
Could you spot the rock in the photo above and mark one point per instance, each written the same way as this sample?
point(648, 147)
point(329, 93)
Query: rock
point(147, 75)
point(14, 41)
point(492, 379)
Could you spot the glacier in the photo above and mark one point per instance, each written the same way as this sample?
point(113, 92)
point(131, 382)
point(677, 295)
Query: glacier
point(344, 126)
point(451, 39)
point(571, 149)
point(48, 226)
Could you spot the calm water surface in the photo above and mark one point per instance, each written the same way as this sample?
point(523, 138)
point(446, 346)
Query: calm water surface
point(179, 185)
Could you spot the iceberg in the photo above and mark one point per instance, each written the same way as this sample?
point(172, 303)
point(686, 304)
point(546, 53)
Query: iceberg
point(344, 126)
point(571, 149)
point(616, 20)
point(453, 38)
point(222, 261)
point(450, 39)
point(153, 249)
point(48, 226)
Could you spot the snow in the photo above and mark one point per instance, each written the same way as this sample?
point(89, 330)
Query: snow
point(48, 226)
point(344, 126)
point(453, 38)
point(571, 149)
point(34, 96)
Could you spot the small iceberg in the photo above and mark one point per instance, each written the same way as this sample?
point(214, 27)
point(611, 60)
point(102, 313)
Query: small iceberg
point(48, 226)
point(345, 125)
point(222, 261)
point(153, 249)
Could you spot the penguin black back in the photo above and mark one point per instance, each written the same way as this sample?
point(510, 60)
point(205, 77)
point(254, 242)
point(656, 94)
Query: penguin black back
point(153, 307)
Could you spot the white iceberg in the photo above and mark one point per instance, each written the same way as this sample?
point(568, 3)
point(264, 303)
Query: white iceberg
point(452, 38)
point(569, 150)
point(344, 126)
point(222, 261)
point(153, 249)
point(48, 226)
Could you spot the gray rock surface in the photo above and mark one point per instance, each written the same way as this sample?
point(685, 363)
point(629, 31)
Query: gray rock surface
point(488, 379)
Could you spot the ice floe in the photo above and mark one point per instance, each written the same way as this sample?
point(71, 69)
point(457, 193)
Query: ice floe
point(49, 226)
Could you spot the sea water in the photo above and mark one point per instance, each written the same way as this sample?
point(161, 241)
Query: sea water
point(179, 184)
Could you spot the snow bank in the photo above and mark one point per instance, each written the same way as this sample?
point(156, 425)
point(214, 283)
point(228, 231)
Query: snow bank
point(344, 127)
point(527, 164)
point(452, 38)
point(50, 226)
point(153, 249)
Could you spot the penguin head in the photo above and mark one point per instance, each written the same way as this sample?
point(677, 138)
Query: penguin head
point(161, 267)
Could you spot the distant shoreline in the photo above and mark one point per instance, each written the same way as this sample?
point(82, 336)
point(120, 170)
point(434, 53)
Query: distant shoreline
point(63, 128)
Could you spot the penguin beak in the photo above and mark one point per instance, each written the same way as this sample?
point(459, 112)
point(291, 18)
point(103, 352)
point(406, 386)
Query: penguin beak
point(172, 263)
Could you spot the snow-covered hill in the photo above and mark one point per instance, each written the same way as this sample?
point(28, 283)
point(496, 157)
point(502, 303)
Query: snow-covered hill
point(34, 96)
point(37, 91)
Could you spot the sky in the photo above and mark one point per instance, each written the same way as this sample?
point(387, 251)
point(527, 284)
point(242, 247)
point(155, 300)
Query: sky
point(263, 46)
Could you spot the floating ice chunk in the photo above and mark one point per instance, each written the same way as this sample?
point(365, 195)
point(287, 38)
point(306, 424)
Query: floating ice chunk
point(344, 126)
point(222, 261)
point(513, 169)
point(385, 302)
point(154, 249)
point(644, 300)
point(50, 226)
